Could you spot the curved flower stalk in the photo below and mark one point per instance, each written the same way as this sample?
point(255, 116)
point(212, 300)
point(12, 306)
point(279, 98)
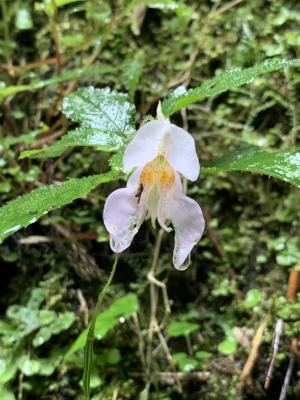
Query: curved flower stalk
point(160, 152)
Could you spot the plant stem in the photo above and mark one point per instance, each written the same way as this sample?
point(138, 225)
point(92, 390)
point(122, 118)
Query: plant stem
point(88, 348)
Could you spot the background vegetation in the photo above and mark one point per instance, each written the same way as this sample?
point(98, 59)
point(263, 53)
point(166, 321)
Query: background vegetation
point(237, 284)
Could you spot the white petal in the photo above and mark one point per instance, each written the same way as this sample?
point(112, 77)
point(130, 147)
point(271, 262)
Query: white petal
point(181, 152)
point(188, 222)
point(166, 199)
point(163, 209)
point(145, 145)
point(122, 218)
point(133, 180)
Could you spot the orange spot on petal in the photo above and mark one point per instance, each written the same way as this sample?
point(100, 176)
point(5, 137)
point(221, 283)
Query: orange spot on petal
point(158, 171)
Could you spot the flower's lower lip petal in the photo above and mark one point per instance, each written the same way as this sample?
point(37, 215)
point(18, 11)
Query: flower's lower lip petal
point(122, 218)
point(188, 222)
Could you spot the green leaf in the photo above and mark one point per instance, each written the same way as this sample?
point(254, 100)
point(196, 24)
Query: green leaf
point(184, 362)
point(228, 346)
point(6, 394)
point(253, 297)
point(284, 165)
point(26, 138)
point(23, 19)
point(105, 118)
point(118, 312)
point(68, 75)
point(132, 72)
point(48, 7)
point(226, 81)
point(39, 366)
point(110, 356)
point(8, 368)
point(26, 319)
point(116, 161)
point(203, 355)
point(28, 366)
point(5, 187)
point(113, 356)
point(103, 109)
point(27, 209)
point(181, 328)
point(60, 323)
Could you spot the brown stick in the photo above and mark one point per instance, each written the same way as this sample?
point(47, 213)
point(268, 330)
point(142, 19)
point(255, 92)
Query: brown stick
point(254, 352)
point(293, 285)
point(16, 69)
point(287, 379)
point(292, 297)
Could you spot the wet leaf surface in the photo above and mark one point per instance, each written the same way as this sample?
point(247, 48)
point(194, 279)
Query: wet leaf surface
point(284, 165)
point(27, 209)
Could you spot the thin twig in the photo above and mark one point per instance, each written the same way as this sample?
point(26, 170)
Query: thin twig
point(13, 69)
point(50, 138)
point(55, 35)
point(163, 287)
point(141, 342)
point(224, 8)
point(188, 344)
point(276, 342)
point(83, 307)
point(153, 323)
point(168, 354)
point(20, 386)
point(34, 239)
point(253, 353)
point(115, 394)
point(153, 300)
point(287, 379)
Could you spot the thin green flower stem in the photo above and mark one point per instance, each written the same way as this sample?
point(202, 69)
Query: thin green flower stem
point(88, 348)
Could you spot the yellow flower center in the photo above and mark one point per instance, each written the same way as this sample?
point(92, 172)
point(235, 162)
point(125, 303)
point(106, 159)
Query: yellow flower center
point(158, 171)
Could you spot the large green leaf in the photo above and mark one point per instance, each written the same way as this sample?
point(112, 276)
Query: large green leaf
point(284, 165)
point(105, 118)
point(66, 76)
point(226, 81)
point(27, 209)
point(119, 311)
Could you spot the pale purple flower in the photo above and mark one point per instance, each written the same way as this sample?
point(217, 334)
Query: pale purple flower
point(160, 151)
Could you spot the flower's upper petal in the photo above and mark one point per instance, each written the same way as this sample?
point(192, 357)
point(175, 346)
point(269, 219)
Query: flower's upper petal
point(123, 216)
point(145, 145)
point(188, 222)
point(181, 152)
